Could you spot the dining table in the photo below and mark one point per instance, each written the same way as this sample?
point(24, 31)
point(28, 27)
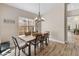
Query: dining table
point(28, 40)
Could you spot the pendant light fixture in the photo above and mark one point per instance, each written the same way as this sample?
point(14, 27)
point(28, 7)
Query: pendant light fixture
point(39, 18)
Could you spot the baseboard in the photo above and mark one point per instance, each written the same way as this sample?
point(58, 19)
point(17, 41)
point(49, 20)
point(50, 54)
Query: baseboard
point(51, 39)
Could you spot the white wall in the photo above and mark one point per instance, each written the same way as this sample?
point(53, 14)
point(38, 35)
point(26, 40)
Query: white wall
point(55, 22)
point(0, 30)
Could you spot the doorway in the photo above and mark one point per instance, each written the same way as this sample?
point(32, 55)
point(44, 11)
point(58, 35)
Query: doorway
point(72, 28)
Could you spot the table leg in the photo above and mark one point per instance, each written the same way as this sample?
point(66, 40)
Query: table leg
point(29, 49)
point(15, 50)
point(46, 42)
point(35, 49)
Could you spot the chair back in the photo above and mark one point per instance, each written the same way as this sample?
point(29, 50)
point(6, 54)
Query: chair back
point(15, 42)
point(38, 38)
point(46, 35)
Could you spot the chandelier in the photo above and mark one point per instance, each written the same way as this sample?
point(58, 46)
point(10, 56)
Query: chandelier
point(39, 18)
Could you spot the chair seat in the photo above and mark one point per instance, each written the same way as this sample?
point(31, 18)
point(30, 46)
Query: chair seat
point(23, 45)
point(33, 42)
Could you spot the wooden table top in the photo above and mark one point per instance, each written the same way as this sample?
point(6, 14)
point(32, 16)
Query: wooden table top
point(30, 37)
point(27, 38)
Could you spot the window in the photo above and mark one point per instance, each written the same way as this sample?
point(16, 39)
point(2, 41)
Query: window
point(25, 25)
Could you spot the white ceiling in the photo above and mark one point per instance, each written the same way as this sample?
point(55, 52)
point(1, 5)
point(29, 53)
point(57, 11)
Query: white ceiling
point(33, 7)
point(73, 6)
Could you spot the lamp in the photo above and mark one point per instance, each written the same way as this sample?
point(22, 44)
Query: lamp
point(39, 18)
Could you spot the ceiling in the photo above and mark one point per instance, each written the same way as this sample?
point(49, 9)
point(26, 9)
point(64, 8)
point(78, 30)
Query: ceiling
point(73, 6)
point(34, 7)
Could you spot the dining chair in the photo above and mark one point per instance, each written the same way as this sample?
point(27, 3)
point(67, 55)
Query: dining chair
point(36, 42)
point(46, 38)
point(20, 48)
